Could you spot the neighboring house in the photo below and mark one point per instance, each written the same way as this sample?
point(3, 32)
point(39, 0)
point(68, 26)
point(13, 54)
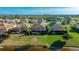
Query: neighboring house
point(33, 21)
point(57, 28)
point(52, 24)
point(17, 30)
point(7, 25)
point(2, 28)
point(17, 21)
point(9, 21)
point(76, 25)
point(38, 29)
point(41, 20)
point(26, 20)
point(60, 18)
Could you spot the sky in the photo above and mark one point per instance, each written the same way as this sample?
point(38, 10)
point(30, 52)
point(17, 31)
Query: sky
point(40, 10)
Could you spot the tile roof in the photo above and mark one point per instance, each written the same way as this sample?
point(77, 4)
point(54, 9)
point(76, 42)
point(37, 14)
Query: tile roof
point(6, 26)
point(38, 27)
point(58, 27)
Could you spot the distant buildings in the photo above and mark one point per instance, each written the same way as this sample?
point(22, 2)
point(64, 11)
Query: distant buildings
point(35, 25)
point(33, 21)
point(41, 20)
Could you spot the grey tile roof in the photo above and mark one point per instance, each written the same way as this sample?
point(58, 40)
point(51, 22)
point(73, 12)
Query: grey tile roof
point(58, 27)
point(38, 27)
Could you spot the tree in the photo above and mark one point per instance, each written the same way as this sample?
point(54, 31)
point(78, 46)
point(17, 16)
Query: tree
point(57, 45)
point(68, 20)
point(3, 37)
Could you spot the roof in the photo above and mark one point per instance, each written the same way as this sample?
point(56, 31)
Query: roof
point(58, 27)
point(2, 27)
point(41, 20)
point(76, 25)
point(9, 20)
point(9, 25)
point(6, 25)
point(38, 27)
point(52, 24)
point(60, 18)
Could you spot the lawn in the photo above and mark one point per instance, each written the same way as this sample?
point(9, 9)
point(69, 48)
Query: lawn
point(74, 41)
point(73, 18)
point(20, 40)
point(16, 40)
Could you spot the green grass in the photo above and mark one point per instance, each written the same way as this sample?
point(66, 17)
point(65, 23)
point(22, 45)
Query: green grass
point(16, 40)
point(73, 18)
point(74, 41)
point(48, 39)
point(19, 40)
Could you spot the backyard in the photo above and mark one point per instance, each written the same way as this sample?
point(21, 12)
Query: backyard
point(21, 40)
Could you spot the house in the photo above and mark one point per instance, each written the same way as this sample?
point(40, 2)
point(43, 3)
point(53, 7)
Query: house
point(26, 20)
point(41, 20)
point(17, 20)
point(5, 26)
point(18, 26)
point(75, 27)
point(17, 30)
point(9, 26)
point(38, 29)
point(60, 18)
point(9, 21)
point(52, 24)
point(57, 28)
point(33, 21)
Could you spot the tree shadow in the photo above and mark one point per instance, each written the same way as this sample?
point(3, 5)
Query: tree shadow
point(57, 45)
